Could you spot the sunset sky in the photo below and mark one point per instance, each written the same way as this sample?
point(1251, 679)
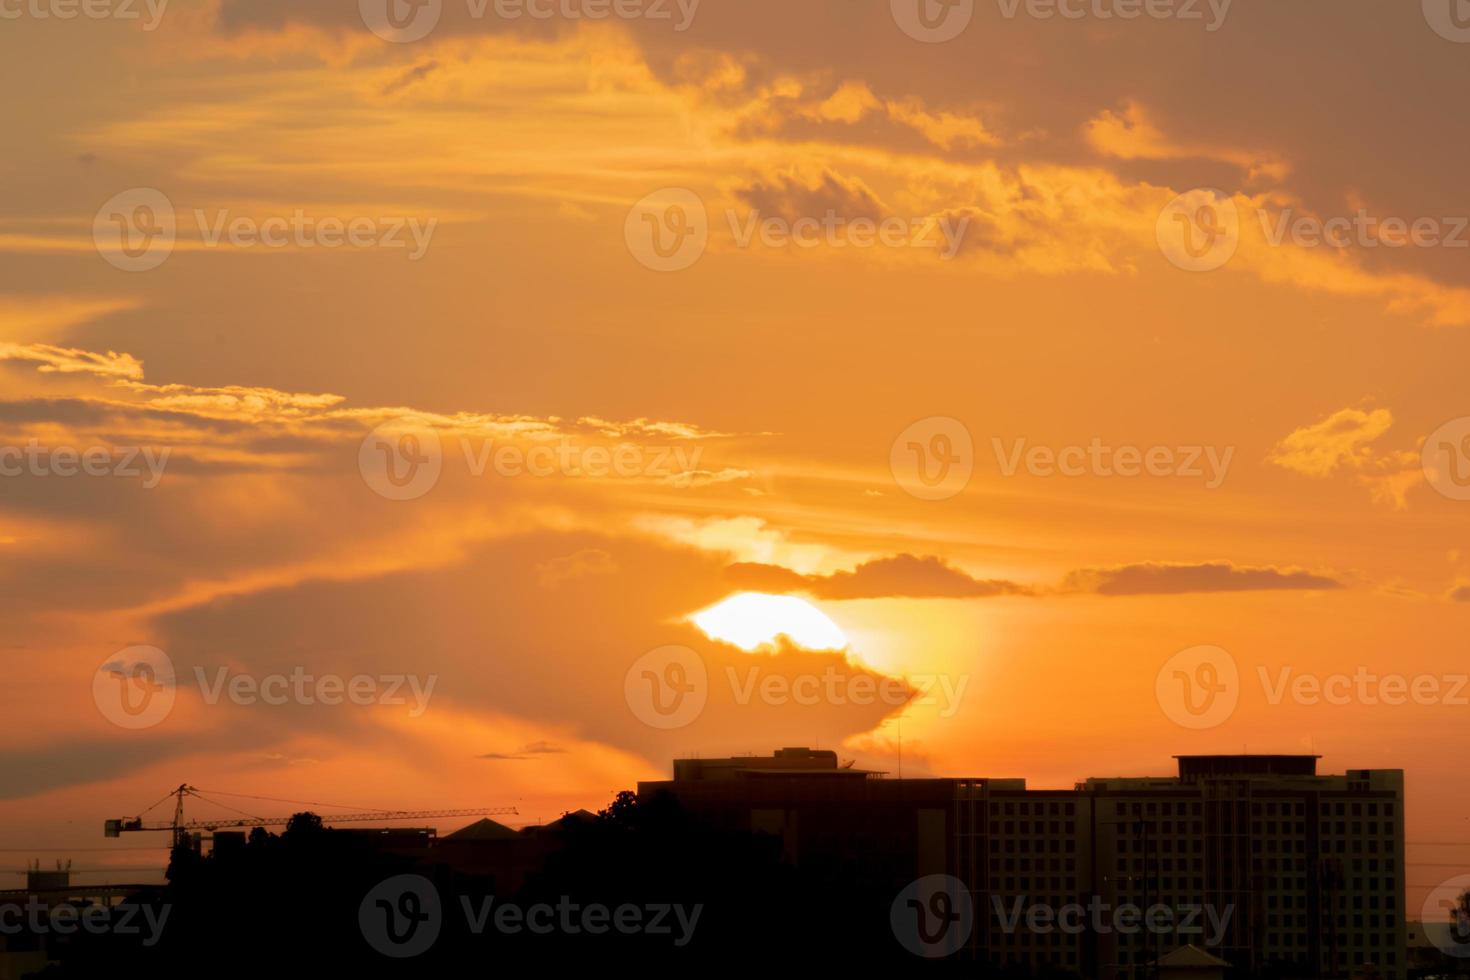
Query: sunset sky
point(770, 396)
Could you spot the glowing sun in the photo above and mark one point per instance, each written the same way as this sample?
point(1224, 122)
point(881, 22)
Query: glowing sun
point(753, 619)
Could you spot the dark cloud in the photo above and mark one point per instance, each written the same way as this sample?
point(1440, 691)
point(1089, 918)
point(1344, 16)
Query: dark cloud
point(415, 74)
point(791, 197)
point(1151, 578)
point(498, 643)
point(899, 576)
point(531, 750)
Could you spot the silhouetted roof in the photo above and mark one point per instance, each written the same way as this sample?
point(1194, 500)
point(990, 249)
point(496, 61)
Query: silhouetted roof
point(1190, 956)
point(485, 829)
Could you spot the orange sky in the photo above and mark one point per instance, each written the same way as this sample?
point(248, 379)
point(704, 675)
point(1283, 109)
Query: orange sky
point(766, 392)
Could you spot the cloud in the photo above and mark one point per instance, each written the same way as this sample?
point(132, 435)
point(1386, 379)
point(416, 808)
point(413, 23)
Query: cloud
point(899, 576)
point(531, 750)
point(581, 564)
point(791, 196)
point(34, 318)
point(1133, 134)
point(707, 478)
point(64, 360)
point(1150, 578)
point(1460, 593)
point(414, 74)
point(1343, 442)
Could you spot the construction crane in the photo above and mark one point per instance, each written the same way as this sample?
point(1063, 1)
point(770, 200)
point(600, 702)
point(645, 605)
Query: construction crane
point(180, 828)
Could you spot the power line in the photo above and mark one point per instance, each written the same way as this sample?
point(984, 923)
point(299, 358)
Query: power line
point(68, 850)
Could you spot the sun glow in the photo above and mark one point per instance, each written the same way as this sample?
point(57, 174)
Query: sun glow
point(754, 619)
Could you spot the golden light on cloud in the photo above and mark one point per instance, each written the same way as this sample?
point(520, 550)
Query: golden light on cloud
point(753, 619)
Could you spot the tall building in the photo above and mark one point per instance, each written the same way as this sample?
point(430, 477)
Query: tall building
point(1257, 858)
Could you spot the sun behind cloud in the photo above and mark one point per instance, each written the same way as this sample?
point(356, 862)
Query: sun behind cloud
point(753, 619)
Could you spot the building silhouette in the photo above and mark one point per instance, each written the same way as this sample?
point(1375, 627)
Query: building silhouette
point(1262, 862)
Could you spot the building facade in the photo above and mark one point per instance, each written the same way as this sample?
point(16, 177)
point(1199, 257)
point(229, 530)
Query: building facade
point(1273, 868)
